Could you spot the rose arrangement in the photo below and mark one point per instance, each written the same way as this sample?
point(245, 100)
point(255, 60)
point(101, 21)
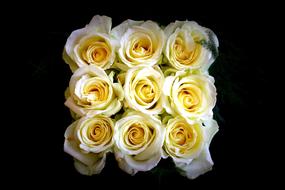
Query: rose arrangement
point(143, 93)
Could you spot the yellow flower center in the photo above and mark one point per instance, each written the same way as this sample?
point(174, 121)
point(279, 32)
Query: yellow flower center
point(186, 54)
point(189, 96)
point(138, 135)
point(145, 91)
point(95, 50)
point(140, 47)
point(96, 131)
point(98, 54)
point(96, 90)
point(184, 138)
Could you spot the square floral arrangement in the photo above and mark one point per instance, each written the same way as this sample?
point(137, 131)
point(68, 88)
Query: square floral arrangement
point(142, 92)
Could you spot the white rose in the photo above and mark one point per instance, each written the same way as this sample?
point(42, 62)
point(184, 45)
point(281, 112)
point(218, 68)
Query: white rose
point(188, 145)
point(93, 92)
point(190, 45)
point(141, 43)
point(193, 96)
point(138, 139)
point(91, 45)
point(88, 140)
point(143, 89)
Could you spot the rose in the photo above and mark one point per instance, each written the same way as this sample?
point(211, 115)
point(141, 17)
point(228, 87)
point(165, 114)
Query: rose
point(138, 142)
point(183, 141)
point(190, 45)
point(143, 88)
point(193, 96)
point(88, 140)
point(188, 145)
point(93, 92)
point(91, 45)
point(141, 43)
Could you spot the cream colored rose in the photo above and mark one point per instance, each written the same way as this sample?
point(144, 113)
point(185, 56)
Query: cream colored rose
point(88, 140)
point(91, 45)
point(141, 43)
point(193, 96)
point(93, 92)
point(190, 45)
point(188, 145)
point(183, 141)
point(143, 89)
point(138, 139)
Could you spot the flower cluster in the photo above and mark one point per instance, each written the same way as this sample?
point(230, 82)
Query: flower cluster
point(142, 92)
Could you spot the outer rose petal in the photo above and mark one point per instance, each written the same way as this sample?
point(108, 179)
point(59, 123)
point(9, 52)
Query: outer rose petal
point(198, 166)
point(145, 165)
point(113, 108)
point(168, 85)
point(119, 30)
point(211, 128)
point(90, 170)
point(122, 162)
point(101, 24)
point(73, 39)
point(170, 28)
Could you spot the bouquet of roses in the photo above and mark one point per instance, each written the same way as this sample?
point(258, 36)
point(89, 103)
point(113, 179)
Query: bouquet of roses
point(142, 93)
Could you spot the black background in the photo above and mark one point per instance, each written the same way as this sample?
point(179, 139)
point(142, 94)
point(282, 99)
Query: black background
point(239, 76)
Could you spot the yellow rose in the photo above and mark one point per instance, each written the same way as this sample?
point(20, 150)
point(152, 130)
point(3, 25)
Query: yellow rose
point(88, 140)
point(143, 89)
point(141, 43)
point(93, 92)
point(91, 45)
point(138, 140)
point(193, 96)
point(183, 141)
point(188, 145)
point(190, 46)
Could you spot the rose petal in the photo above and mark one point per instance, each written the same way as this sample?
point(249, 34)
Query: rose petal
point(100, 24)
point(210, 129)
point(198, 166)
point(96, 168)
